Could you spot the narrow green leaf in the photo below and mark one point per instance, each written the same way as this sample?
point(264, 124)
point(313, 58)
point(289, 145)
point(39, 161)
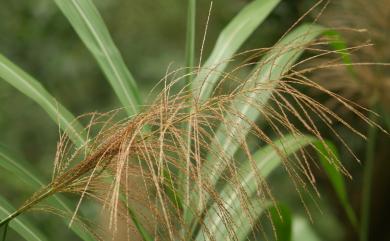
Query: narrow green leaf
point(326, 153)
point(21, 171)
point(267, 159)
point(145, 235)
point(89, 25)
point(228, 42)
point(282, 221)
point(242, 225)
point(18, 171)
point(33, 89)
point(368, 177)
point(339, 44)
point(20, 225)
point(171, 190)
point(142, 231)
point(271, 69)
point(5, 232)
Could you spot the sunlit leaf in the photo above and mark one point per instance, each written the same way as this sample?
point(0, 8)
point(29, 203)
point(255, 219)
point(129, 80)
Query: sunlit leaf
point(267, 159)
point(301, 230)
point(271, 69)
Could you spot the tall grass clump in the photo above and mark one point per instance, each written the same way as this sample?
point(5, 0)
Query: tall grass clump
point(191, 150)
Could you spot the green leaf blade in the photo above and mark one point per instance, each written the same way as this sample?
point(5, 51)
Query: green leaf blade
point(282, 220)
point(328, 151)
point(267, 159)
point(20, 225)
point(228, 42)
point(89, 25)
point(271, 69)
point(34, 90)
point(20, 171)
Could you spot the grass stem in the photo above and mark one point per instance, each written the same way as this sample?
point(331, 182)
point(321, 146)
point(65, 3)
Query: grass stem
point(5, 231)
point(367, 181)
point(190, 60)
point(190, 40)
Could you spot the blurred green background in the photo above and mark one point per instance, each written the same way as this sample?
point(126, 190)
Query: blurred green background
point(151, 36)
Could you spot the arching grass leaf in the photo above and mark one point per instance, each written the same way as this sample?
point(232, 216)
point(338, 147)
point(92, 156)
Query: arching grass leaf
point(282, 220)
point(335, 177)
point(33, 89)
point(229, 41)
point(271, 69)
point(20, 225)
point(89, 25)
point(267, 159)
point(142, 231)
point(21, 171)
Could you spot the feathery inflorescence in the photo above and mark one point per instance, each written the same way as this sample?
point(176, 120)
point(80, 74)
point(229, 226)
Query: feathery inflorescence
point(141, 163)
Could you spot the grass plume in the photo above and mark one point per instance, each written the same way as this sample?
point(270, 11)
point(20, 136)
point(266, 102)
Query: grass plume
point(151, 148)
